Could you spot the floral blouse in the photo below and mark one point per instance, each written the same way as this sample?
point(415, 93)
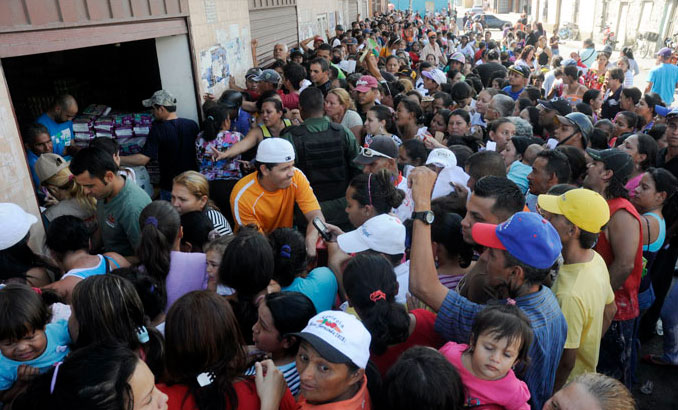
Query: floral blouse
point(224, 169)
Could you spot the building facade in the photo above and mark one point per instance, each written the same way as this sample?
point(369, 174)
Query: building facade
point(132, 48)
point(627, 19)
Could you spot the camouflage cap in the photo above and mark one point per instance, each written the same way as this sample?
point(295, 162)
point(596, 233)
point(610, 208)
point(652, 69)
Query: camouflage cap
point(160, 97)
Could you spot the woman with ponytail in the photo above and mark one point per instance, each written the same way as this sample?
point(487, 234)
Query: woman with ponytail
point(107, 309)
point(205, 366)
point(224, 173)
point(159, 252)
point(369, 195)
point(371, 287)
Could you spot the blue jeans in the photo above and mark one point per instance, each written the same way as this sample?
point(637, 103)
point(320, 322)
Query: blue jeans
point(669, 317)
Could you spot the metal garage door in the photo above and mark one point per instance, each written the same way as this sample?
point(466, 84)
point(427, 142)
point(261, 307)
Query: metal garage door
point(353, 10)
point(272, 25)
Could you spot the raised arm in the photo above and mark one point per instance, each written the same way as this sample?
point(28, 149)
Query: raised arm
point(250, 141)
point(424, 282)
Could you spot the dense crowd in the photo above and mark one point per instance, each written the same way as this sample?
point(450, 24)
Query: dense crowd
point(405, 214)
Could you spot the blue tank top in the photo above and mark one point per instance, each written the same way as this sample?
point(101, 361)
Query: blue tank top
point(101, 269)
point(657, 244)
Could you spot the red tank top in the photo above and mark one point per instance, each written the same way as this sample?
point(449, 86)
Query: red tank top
point(626, 297)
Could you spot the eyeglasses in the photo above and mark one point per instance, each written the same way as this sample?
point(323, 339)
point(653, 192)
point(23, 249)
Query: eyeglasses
point(370, 153)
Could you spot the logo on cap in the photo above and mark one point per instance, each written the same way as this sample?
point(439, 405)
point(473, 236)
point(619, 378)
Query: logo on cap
point(330, 324)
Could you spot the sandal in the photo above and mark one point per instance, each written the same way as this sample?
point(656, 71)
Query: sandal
point(657, 361)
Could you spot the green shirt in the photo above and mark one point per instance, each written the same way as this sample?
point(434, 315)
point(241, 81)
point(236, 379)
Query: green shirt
point(119, 219)
point(340, 73)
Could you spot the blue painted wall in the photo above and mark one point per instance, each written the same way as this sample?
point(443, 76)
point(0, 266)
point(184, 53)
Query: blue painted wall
point(418, 5)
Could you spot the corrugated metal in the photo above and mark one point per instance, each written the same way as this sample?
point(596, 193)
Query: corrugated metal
point(353, 10)
point(44, 41)
point(271, 26)
point(23, 15)
point(266, 4)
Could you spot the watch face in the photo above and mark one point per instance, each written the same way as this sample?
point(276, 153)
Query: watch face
point(429, 217)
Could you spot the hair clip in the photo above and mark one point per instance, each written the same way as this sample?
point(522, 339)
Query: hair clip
point(37, 290)
point(286, 251)
point(377, 295)
point(142, 334)
point(152, 220)
point(205, 378)
point(511, 302)
point(54, 377)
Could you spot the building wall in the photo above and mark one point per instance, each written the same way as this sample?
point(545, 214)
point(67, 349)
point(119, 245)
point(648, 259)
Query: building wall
point(220, 37)
point(15, 181)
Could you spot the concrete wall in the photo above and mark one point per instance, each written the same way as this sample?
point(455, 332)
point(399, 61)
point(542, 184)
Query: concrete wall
point(15, 181)
point(176, 73)
point(220, 35)
point(316, 16)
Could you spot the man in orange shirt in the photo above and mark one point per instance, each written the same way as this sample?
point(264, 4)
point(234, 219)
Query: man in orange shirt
point(266, 197)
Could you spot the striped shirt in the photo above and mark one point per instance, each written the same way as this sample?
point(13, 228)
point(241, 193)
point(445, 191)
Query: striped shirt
point(456, 316)
point(290, 374)
point(219, 222)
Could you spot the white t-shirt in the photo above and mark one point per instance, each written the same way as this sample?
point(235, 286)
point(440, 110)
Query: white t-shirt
point(404, 211)
point(402, 272)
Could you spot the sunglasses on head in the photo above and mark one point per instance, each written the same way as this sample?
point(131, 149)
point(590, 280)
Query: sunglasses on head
point(370, 153)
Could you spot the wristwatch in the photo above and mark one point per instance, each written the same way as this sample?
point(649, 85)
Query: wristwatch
point(425, 216)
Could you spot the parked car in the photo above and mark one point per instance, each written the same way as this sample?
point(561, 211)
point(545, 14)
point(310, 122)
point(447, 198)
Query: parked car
point(494, 22)
point(477, 10)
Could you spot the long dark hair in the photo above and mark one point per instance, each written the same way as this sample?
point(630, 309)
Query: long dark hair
point(214, 344)
point(384, 113)
point(446, 230)
point(94, 377)
point(382, 194)
point(247, 267)
point(289, 255)
point(108, 309)
point(18, 259)
point(159, 223)
point(371, 286)
point(665, 181)
point(214, 119)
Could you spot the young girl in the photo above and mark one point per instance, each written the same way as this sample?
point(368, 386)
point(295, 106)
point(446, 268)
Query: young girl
point(291, 270)
point(280, 315)
point(214, 251)
point(500, 338)
point(68, 242)
point(28, 343)
point(371, 288)
point(379, 121)
point(151, 292)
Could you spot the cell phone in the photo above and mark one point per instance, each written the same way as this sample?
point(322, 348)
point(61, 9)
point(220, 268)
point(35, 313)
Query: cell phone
point(322, 229)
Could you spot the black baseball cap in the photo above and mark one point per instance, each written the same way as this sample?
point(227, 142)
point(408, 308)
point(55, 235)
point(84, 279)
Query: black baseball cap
point(618, 161)
point(558, 104)
point(521, 70)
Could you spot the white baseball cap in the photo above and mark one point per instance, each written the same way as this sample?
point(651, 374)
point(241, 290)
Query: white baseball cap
point(383, 233)
point(339, 337)
point(442, 157)
point(275, 151)
point(14, 224)
point(436, 75)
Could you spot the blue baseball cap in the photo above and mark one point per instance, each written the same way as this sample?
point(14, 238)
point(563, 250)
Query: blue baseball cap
point(526, 236)
point(665, 111)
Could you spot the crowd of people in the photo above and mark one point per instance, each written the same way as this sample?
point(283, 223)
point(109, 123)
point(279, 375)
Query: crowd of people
point(405, 214)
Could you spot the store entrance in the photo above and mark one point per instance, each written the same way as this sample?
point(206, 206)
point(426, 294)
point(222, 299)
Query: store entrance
point(116, 75)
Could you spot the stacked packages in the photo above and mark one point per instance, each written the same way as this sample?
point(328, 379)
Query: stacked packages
point(130, 130)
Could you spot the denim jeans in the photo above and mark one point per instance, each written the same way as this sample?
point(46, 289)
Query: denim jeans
point(669, 317)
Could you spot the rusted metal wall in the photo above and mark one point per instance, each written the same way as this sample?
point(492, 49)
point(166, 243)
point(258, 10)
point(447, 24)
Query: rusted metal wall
point(24, 15)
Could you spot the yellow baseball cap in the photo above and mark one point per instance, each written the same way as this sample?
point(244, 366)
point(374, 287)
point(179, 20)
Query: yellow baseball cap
point(586, 209)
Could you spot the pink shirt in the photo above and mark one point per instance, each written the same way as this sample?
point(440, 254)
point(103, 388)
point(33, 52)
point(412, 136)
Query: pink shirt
point(506, 393)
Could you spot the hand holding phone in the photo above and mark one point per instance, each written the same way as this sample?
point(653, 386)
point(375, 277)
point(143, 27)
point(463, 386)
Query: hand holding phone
point(322, 229)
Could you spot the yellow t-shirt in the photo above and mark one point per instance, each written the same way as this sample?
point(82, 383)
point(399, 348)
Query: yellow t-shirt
point(583, 290)
point(252, 204)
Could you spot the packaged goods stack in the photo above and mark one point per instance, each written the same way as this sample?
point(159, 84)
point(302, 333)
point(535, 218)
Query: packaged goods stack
point(98, 120)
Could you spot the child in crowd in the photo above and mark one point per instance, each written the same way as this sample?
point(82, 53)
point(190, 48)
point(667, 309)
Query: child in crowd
point(500, 339)
point(214, 251)
point(151, 292)
point(371, 288)
point(29, 344)
point(280, 315)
